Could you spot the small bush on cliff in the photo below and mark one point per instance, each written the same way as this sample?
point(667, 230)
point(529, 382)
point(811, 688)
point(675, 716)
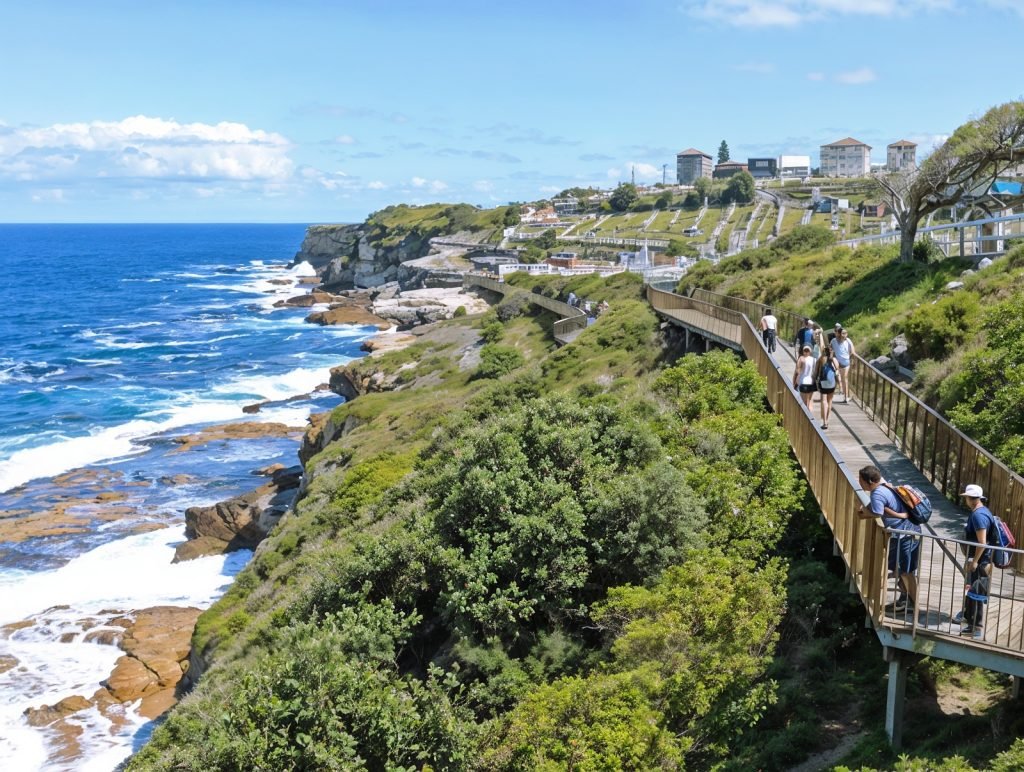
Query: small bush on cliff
point(935, 329)
point(497, 360)
point(492, 332)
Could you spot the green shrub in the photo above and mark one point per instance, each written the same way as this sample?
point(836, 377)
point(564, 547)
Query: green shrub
point(497, 360)
point(460, 311)
point(936, 329)
point(805, 238)
point(492, 332)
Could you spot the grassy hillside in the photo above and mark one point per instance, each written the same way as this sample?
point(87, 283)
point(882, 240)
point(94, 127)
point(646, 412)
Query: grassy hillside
point(967, 342)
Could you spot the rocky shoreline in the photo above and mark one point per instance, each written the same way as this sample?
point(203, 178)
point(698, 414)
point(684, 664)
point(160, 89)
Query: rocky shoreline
point(153, 671)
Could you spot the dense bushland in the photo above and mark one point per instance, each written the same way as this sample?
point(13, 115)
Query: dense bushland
point(571, 565)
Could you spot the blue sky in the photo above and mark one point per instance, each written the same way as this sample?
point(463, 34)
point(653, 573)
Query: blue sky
point(326, 111)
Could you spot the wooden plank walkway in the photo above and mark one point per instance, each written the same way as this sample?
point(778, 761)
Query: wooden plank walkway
point(858, 441)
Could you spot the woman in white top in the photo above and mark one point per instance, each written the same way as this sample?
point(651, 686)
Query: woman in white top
point(803, 376)
point(844, 351)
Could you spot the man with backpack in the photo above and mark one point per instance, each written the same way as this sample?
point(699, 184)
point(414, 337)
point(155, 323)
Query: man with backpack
point(805, 335)
point(904, 546)
point(978, 566)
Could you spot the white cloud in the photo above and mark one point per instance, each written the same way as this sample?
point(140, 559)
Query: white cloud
point(345, 139)
point(144, 147)
point(790, 13)
point(857, 77)
point(1017, 6)
point(434, 186)
point(51, 196)
point(376, 185)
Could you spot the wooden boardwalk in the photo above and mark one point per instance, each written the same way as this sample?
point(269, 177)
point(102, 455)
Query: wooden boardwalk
point(830, 459)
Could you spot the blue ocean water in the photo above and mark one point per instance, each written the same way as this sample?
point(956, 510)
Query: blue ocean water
point(116, 340)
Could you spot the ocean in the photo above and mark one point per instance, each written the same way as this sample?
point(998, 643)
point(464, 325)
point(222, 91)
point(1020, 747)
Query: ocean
point(116, 340)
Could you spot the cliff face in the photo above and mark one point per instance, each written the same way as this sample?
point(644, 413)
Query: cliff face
point(347, 256)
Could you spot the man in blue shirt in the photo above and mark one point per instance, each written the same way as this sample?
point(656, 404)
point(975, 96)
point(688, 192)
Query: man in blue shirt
point(904, 548)
point(978, 566)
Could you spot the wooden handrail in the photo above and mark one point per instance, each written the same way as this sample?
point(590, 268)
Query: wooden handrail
point(947, 457)
point(572, 318)
point(862, 541)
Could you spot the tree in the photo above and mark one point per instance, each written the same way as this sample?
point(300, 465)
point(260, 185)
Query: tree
point(547, 239)
point(676, 247)
point(740, 188)
point(511, 216)
point(971, 159)
point(664, 201)
point(623, 197)
point(703, 187)
point(723, 152)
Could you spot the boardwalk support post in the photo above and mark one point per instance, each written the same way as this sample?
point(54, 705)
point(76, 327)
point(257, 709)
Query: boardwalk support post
point(1015, 689)
point(895, 696)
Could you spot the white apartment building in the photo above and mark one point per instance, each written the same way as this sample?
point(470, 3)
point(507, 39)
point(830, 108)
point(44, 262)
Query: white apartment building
point(798, 166)
point(846, 158)
point(901, 156)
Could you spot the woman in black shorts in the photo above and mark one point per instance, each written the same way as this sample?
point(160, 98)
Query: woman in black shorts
point(826, 371)
point(803, 376)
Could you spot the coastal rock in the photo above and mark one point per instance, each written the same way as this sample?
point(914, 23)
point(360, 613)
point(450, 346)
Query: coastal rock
point(901, 352)
point(238, 523)
point(267, 471)
point(157, 648)
point(954, 285)
point(348, 315)
point(985, 262)
point(47, 714)
point(387, 291)
point(428, 305)
point(234, 431)
point(7, 662)
point(316, 297)
point(385, 342)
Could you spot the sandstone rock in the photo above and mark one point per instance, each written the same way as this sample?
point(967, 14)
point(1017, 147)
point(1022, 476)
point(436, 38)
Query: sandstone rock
point(238, 523)
point(199, 547)
point(7, 662)
point(233, 431)
point(177, 479)
point(348, 315)
point(267, 471)
point(381, 344)
point(280, 282)
point(985, 262)
point(252, 409)
point(130, 680)
point(47, 714)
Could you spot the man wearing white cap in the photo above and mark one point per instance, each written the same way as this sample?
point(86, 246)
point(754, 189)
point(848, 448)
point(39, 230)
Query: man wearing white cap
point(978, 566)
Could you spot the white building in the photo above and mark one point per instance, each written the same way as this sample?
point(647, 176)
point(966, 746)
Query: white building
point(794, 166)
point(846, 158)
point(901, 156)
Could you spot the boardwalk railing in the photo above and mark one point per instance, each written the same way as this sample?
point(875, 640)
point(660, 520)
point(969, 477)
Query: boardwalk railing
point(863, 543)
point(573, 319)
point(944, 455)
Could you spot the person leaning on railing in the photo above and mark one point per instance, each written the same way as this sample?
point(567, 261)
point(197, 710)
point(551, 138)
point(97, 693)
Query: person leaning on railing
point(904, 546)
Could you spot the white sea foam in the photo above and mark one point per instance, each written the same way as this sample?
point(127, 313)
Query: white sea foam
point(50, 670)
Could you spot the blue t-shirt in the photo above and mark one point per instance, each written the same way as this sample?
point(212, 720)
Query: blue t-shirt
point(980, 520)
point(881, 497)
point(804, 336)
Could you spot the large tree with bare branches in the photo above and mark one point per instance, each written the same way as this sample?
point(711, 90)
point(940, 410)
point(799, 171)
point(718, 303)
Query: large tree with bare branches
point(973, 157)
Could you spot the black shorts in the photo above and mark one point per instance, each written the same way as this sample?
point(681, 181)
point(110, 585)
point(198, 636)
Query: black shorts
point(823, 390)
point(807, 388)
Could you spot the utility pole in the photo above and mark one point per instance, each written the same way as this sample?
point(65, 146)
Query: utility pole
point(632, 174)
point(664, 170)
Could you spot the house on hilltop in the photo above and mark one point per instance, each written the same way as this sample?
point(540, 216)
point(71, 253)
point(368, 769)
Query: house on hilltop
point(847, 157)
point(901, 156)
point(691, 164)
point(728, 169)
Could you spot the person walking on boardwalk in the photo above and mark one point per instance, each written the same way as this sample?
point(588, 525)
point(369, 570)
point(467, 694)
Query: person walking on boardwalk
point(769, 324)
point(904, 549)
point(978, 566)
point(803, 376)
point(826, 370)
point(805, 335)
point(843, 348)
